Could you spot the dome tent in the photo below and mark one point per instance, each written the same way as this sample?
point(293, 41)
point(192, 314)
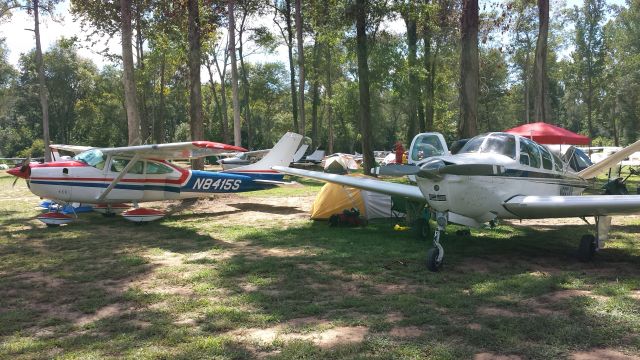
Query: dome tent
point(334, 199)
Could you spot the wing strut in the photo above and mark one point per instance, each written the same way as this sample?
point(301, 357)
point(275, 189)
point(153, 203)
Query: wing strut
point(119, 177)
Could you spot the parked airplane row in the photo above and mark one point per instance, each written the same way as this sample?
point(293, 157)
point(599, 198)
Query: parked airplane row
point(493, 176)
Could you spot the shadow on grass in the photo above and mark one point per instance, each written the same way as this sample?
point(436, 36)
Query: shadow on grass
point(76, 289)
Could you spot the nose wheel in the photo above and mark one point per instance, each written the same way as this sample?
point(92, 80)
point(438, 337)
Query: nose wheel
point(435, 255)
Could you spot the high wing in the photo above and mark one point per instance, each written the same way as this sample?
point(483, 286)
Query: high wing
point(76, 149)
point(538, 207)
point(379, 186)
point(182, 150)
point(593, 170)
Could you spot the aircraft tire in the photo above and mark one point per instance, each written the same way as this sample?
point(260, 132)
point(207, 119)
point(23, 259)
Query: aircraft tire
point(52, 225)
point(432, 260)
point(587, 248)
point(421, 229)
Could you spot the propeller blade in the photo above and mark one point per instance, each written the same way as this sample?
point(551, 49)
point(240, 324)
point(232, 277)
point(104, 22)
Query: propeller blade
point(14, 182)
point(472, 169)
point(396, 170)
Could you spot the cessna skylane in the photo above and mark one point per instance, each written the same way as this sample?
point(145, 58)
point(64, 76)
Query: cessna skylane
point(113, 177)
point(499, 176)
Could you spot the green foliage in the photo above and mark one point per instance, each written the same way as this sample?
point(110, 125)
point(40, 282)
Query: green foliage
point(35, 150)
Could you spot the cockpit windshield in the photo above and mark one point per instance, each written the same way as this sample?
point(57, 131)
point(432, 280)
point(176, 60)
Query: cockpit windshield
point(495, 143)
point(93, 158)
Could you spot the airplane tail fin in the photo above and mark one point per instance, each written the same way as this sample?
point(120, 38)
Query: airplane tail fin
point(280, 155)
point(593, 170)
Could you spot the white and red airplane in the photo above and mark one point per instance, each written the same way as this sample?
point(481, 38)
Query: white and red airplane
point(497, 176)
point(112, 177)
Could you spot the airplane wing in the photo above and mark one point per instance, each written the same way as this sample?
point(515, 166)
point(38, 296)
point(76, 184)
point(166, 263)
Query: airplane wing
point(246, 153)
point(182, 150)
point(532, 207)
point(593, 170)
point(76, 149)
point(379, 186)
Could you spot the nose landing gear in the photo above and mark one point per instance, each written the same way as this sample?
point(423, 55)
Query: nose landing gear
point(435, 255)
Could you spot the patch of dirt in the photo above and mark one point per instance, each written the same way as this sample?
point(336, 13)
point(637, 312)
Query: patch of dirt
point(602, 354)
point(562, 295)
point(635, 294)
point(387, 289)
point(394, 317)
point(42, 279)
point(291, 330)
point(474, 326)
point(492, 356)
point(494, 311)
point(406, 332)
point(102, 313)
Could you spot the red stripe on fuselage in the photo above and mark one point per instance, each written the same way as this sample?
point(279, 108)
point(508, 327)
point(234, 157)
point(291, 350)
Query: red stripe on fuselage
point(71, 163)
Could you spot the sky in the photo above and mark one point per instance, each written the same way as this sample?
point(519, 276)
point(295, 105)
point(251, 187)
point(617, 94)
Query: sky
point(20, 39)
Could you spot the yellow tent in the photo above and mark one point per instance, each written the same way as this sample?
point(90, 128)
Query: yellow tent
point(334, 199)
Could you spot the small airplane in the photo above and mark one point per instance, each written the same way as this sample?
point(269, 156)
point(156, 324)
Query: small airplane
point(498, 176)
point(112, 177)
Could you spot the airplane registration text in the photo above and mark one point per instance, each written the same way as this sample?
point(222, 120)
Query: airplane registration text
point(219, 184)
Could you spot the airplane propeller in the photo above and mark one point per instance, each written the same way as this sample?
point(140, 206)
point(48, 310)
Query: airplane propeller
point(23, 168)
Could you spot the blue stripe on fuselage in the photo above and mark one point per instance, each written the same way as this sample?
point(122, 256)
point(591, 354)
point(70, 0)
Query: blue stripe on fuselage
point(271, 176)
point(121, 186)
point(220, 182)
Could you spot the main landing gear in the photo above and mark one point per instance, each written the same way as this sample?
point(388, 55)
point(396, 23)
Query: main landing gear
point(589, 244)
point(435, 255)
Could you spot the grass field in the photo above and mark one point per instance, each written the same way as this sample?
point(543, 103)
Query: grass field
point(251, 277)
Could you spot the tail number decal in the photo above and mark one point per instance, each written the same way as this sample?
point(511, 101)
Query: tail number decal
point(220, 184)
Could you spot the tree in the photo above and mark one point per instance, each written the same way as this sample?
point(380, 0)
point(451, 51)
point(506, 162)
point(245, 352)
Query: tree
point(469, 71)
point(237, 135)
point(363, 85)
point(299, 40)
point(195, 95)
point(41, 84)
point(284, 9)
point(589, 54)
point(541, 107)
point(128, 79)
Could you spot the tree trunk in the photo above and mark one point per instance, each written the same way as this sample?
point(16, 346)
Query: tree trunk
point(300, 42)
point(160, 121)
point(542, 82)
point(144, 117)
point(329, 86)
point(223, 96)
point(430, 61)
point(195, 95)
point(43, 92)
point(413, 85)
point(133, 117)
point(237, 134)
point(245, 87)
point(363, 86)
point(317, 48)
point(292, 67)
point(469, 70)
point(525, 82)
point(214, 92)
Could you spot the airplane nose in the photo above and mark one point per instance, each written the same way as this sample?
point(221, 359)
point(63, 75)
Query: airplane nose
point(19, 172)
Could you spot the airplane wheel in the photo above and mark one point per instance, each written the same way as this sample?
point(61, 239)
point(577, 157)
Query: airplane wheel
point(587, 248)
point(432, 259)
point(421, 229)
point(53, 225)
point(109, 214)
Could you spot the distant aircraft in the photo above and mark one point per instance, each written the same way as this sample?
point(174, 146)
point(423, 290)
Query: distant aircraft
point(110, 177)
point(499, 176)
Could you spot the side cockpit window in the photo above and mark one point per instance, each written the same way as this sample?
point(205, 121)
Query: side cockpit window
point(157, 168)
point(93, 158)
point(117, 165)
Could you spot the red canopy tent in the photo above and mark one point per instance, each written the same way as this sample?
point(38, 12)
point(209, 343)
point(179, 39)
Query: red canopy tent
point(544, 133)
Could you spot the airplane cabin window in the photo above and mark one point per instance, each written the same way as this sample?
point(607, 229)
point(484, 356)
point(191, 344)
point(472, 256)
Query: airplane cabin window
point(117, 165)
point(532, 152)
point(557, 163)
point(426, 146)
point(93, 158)
point(547, 163)
point(496, 143)
point(157, 168)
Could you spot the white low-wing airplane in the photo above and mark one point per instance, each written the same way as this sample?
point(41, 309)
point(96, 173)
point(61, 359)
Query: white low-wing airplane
point(134, 174)
point(500, 176)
